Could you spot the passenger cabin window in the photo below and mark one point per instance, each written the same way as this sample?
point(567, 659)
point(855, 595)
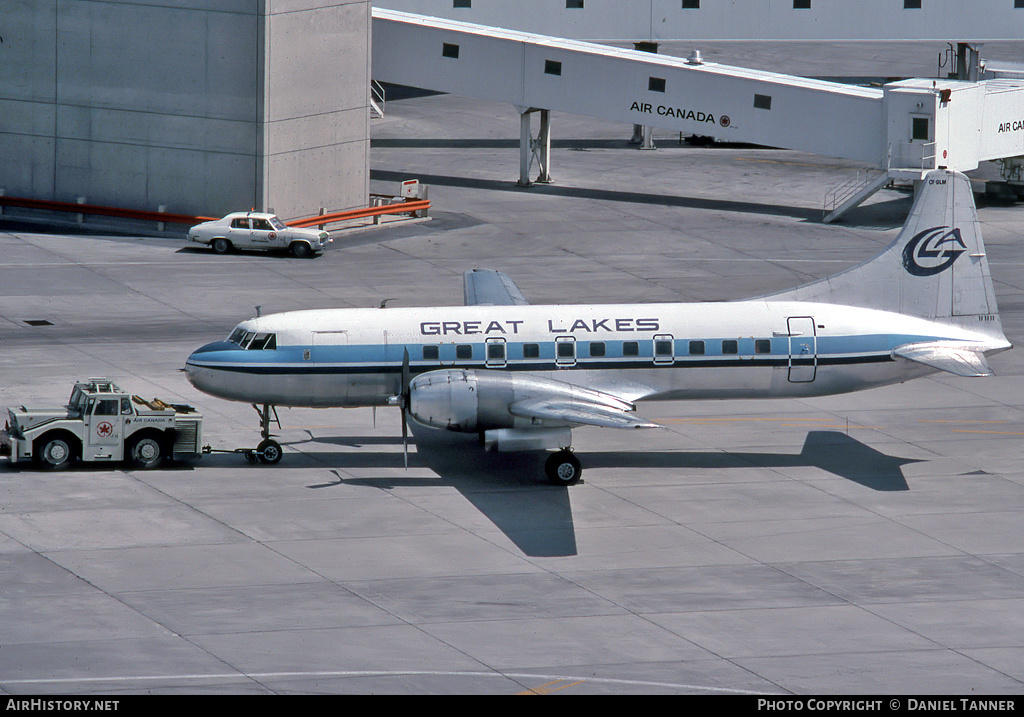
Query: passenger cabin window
point(531, 351)
point(431, 353)
point(763, 346)
point(597, 349)
point(464, 351)
point(730, 346)
point(566, 349)
point(630, 348)
point(662, 348)
point(697, 348)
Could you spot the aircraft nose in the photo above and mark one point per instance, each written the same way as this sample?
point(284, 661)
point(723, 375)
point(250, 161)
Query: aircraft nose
point(200, 365)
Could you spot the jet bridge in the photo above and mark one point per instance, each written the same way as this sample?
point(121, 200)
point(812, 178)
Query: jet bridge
point(901, 130)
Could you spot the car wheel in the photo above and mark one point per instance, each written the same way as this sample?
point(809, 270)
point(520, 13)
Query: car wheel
point(300, 250)
point(221, 245)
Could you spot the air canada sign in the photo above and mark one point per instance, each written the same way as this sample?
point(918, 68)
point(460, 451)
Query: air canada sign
point(669, 111)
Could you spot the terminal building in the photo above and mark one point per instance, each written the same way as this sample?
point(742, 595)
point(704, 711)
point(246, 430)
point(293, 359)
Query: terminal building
point(203, 107)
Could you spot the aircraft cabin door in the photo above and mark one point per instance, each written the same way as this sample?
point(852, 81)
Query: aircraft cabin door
point(664, 349)
point(565, 351)
point(495, 353)
point(803, 349)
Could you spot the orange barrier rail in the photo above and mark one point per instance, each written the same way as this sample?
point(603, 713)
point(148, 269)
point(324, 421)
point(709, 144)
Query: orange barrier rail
point(102, 211)
point(407, 207)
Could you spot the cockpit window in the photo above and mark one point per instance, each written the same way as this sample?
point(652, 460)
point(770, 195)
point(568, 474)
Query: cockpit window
point(266, 342)
point(253, 341)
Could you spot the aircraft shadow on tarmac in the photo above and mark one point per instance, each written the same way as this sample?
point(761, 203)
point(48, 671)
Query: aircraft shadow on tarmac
point(507, 489)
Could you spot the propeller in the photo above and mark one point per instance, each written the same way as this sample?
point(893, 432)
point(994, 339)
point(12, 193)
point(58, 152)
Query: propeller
point(403, 404)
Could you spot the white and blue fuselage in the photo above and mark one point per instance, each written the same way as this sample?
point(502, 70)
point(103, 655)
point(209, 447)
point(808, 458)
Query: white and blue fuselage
point(750, 349)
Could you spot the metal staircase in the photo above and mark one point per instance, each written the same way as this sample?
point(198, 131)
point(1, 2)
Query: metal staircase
point(376, 99)
point(849, 194)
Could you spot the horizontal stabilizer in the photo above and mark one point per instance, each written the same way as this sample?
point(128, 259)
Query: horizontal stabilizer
point(487, 287)
point(578, 411)
point(957, 359)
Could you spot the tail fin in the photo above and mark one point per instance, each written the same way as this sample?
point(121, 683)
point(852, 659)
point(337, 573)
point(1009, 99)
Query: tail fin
point(936, 268)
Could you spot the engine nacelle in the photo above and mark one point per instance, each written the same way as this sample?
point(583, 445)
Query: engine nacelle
point(472, 401)
point(460, 400)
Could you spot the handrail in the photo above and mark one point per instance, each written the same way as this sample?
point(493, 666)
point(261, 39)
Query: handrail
point(406, 207)
point(845, 190)
point(398, 208)
point(102, 211)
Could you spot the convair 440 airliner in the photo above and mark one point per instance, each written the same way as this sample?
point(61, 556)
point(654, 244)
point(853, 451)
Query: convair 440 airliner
point(523, 376)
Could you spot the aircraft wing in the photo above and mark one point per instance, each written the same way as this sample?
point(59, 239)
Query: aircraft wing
point(487, 287)
point(956, 358)
point(578, 410)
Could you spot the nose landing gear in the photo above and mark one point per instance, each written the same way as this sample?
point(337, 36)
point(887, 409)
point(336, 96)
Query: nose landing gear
point(268, 451)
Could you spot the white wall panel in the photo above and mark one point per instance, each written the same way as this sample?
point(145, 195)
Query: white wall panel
point(945, 20)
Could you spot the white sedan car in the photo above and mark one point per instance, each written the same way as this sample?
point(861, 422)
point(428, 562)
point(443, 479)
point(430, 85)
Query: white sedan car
point(254, 230)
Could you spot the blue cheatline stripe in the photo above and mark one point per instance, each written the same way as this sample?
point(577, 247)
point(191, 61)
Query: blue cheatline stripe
point(311, 368)
point(379, 358)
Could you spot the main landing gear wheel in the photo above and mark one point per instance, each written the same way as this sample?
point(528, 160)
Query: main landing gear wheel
point(269, 451)
point(563, 468)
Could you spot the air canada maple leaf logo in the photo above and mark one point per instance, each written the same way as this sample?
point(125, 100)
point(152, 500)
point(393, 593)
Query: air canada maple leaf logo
point(933, 251)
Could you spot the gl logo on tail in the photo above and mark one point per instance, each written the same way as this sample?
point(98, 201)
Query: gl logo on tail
point(932, 251)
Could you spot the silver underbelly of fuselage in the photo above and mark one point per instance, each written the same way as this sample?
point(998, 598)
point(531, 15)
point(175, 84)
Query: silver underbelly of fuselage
point(339, 388)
